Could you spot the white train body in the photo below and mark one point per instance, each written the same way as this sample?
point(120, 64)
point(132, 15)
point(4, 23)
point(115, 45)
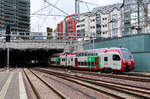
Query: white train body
point(108, 59)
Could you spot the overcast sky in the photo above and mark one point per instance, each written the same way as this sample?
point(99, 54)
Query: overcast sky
point(38, 23)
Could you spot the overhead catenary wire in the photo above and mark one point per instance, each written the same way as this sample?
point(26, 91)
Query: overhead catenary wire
point(49, 12)
point(56, 7)
point(40, 10)
point(47, 15)
point(88, 3)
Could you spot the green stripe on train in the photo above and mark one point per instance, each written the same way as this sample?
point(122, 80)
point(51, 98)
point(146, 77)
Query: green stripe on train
point(92, 59)
point(57, 59)
point(99, 62)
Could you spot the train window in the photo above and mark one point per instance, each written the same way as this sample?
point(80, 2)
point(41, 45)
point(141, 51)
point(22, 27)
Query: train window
point(78, 63)
point(85, 63)
point(78, 54)
point(82, 63)
point(90, 54)
point(85, 54)
point(93, 64)
point(116, 58)
point(63, 59)
point(106, 59)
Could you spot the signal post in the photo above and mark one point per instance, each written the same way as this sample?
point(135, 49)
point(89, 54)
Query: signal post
point(7, 41)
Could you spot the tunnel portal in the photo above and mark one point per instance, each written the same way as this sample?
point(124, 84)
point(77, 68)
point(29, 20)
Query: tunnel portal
point(26, 58)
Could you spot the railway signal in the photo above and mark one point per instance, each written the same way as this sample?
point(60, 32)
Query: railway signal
point(8, 33)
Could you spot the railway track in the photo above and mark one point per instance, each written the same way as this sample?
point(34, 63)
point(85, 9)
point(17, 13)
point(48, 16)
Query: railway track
point(34, 89)
point(128, 90)
point(131, 77)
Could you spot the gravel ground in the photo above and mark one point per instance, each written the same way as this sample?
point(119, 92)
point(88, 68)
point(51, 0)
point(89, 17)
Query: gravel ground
point(72, 90)
point(28, 88)
point(115, 80)
point(127, 82)
point(44, 91)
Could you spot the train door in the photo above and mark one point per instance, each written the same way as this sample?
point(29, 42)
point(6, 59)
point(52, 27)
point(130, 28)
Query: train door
point(66, 60)
point(116, 61)
point(76, 62)
point(72, 61)
point(105, 59)
point(97, 62)
point(59, 61)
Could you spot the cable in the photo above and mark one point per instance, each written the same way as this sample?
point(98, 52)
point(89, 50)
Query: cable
point(88, 3)
point(56, 7)
point(49, 13)
point(40, 10)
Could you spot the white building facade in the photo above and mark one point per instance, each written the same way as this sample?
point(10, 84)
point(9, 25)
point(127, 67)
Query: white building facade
point(108, 21)
point(83, 26)
point(117, 20)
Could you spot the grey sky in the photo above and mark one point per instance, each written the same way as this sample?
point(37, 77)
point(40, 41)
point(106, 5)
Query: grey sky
point(66, 5)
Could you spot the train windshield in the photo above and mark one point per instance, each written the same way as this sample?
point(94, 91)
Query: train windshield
point(126, 54)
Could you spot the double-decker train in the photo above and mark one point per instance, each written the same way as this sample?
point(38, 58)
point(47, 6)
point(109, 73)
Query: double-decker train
point(104, 59)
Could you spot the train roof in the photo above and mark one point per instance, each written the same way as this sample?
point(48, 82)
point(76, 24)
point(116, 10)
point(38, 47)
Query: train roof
point(56, 54)
point(91, 50)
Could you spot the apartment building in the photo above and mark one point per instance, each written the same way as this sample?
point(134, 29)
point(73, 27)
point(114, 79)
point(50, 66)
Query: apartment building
point(92, 26)
point(108, 21)
point(15, 13)
point(134, 17)
point(66, 29)
point(116, 20)
point(83, 26)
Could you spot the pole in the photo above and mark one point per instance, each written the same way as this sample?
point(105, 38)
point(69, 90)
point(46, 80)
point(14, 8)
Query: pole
point(7, 67)
point(93, 43)
point(138, 19)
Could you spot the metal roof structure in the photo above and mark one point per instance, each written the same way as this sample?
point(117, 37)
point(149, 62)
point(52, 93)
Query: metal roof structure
point(106, 9)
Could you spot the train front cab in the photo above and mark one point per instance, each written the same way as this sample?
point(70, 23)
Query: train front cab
point(110, 62)
point(128, 60)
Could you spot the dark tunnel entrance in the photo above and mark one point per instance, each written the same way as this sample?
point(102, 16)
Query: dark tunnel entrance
point(26, 58)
